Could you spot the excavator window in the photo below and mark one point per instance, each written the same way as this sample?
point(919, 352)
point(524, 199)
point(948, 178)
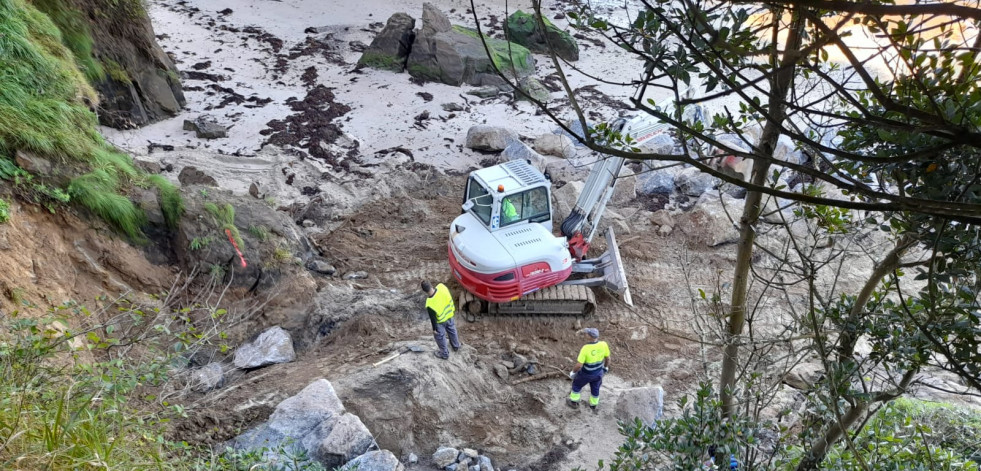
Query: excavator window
point(529, 205)
point(482, 200)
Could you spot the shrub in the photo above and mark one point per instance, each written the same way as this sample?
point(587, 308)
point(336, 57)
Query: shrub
point(4, 211)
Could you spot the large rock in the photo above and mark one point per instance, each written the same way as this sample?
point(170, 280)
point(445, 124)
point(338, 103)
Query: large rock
point(658, 182)
point(378, 460)
point(489, 138)
point(556, 145)
point(390, 48)
point(314, 422)
point(693, 182)
point(525, 29)
point(517, 150)
point(533, 90)
point(348, 438)
point(207, 378)
point(272, 346)
point(565, 199)
point(190, 175)
point(455, 55)
point(712, 220)
point(445, 456)
point(206, 127)
point(640, 403)
point(626, 187)
point(563, 171)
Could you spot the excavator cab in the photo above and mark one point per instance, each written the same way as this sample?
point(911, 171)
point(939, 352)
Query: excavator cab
point(508, 195)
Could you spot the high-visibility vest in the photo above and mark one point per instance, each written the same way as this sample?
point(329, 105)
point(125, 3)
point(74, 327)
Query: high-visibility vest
point(510, 214)
point(441, 303)
point(592, 355)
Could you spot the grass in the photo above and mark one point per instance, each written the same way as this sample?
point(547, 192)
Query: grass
point(260, 232)
point(225, 219)
point(4, 211)
point(44, 108)
point(382, 61)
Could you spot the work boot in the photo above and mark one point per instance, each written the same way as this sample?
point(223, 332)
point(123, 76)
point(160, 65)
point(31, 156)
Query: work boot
point(594, 409)
point(571, 403)
point(457, 348)
point(441, 357)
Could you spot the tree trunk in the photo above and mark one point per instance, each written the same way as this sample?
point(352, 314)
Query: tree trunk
point(780, 84)
point(821, 446)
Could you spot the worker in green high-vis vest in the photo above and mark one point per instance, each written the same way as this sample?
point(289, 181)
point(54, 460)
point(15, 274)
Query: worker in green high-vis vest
point(439, 305)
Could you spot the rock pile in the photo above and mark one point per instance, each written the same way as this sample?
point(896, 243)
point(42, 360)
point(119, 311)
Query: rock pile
point(467, 459)
point(313, 423)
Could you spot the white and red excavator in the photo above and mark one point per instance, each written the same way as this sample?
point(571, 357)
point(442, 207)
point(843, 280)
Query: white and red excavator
point(502, 249)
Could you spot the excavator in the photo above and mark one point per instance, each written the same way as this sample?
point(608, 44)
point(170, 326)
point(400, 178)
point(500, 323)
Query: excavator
point(502, 249)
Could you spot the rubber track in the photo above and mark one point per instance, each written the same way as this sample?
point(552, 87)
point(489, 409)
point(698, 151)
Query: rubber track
point(559, 300)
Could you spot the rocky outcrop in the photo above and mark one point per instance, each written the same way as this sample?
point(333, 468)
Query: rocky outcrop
point(315, 422)
point(272, 346)
point(390, 49)
point(525, 29)
point(456, 55)
point(489, 138)
point(138, 83)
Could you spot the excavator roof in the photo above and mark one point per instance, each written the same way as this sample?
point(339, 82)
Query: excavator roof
point(514, 175)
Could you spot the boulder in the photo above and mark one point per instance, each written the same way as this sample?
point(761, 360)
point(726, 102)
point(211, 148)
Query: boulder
point(302, 421)
point(378, 460)
point(626, 188)
point(33, 163)
point(556, 145)
point(321, 266)
point(645, 403)
point(390, 48)
point(489, 91)
point(489, 138)
point(577, 129)
point(192, 176)
point(206, 127)
point(565, 199)
point(533, 90)
point(207, 378)
point(485, 463)
point(348, 438)
point(658, 182)
point(517, 150)
point(711, 222)
point(469, 453)
point(693, 182)
point(455, 55)
point(566, 171)
point(525, 29)
point(661, 218)
point(445, 456)
point(272, 346)
point(659, 144)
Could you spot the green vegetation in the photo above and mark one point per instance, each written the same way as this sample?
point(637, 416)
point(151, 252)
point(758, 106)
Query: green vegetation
point(171, 202)
point(199, 243)
point(75, 35)
point(507, 56)
point(381, 61)
point(225, 219)
point(44, 109)
point(259, 232)
point(217, 272)
point(4, 211)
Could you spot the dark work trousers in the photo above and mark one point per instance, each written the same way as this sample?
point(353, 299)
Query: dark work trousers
point(443, 330)
point(593, 378)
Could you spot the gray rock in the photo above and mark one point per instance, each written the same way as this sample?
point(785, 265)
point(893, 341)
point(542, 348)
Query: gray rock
point(452, 106)
point(533, 89)
point(206, 127)
point(489, 91)
point(517, 150)
point(445, 456)
point(659, 144)
point(501, 371)
point(207, 378)
point(454, 55)
point(656, 183)
point(711, 222)
point(390, 48)
point(640, 403)
point(470, 453)
point(413, 459)
point(254, 190)
point(489, 138)
point(308, 223)
point(347, 439)
point(475, 467)
point(272, 346)
point(662, 218)
point(565, 199)
point(320, 266)
point(378, 460)
point(484, 463)
point(33, 163)
point(452, 467)
point(555, 144)
point(693, 182)
point(566, 171)
point(577, 130)
point(462, 461)
point(192, 176)
point(525, 29)
point(355, 275)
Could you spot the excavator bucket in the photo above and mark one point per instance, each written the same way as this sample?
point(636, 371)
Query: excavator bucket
point(614, 274)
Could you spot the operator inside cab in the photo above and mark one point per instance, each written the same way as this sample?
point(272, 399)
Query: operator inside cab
point(508, 213)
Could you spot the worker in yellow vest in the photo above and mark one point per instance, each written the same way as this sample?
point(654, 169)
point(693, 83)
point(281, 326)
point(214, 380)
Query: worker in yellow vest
point(593, 362)
point(439, 305)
